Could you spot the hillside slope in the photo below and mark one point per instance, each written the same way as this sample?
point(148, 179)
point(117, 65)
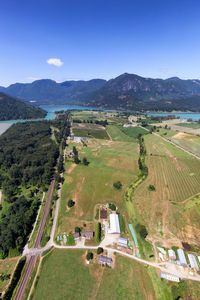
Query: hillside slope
point(12, 109)
point(46, 91)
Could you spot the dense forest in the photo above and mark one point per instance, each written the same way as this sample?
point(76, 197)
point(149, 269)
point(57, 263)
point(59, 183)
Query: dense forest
point(28, 156)
point(12, 109)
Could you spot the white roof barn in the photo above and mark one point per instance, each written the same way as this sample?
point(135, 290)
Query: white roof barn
point(114, 224)
point(122, 241)
point(193, 262)
point(172, 254)
point(181, 256)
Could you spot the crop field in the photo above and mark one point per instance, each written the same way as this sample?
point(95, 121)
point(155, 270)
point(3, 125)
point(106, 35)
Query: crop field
point(93, 184)
point(176, 178)
point(64, 275)
point(7, 266)
point(117, 135)
point(95, 133)
point(133, 131)
point(111, 117)
point(189, 125)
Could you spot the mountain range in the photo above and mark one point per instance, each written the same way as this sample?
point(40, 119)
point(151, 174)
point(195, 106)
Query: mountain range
point(127, 91)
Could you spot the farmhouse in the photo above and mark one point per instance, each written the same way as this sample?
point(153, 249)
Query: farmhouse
point(172, 254)
point(181, 256)
point(122, 242)
point(105, 260)
point(114, 224)
point(193, 262)
point(87, 234)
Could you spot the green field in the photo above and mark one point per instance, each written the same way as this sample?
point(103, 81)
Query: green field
point(64, 275)
point(133, 131)
point(189, 125)
point(117, 135)
point(176, 177)
point(91, 133)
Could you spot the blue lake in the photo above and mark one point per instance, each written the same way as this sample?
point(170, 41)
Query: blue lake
point(193, 116)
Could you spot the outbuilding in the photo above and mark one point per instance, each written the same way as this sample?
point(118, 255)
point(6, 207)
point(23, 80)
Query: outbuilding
point(114, 224)
point(172, 254)
point(181, 256)
point(122, 242)
point(193, 262)
point(87, 234)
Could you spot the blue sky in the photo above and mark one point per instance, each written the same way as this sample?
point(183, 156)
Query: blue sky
point(98, 39)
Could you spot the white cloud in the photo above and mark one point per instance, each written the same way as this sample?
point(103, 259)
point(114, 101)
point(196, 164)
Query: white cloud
point(55, 61)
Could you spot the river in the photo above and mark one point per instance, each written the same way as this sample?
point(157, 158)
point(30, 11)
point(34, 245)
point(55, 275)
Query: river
point(193, 116)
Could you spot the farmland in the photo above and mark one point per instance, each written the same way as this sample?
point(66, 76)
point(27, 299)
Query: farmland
point(91, 133)
point(176, 177)
point(86, 185)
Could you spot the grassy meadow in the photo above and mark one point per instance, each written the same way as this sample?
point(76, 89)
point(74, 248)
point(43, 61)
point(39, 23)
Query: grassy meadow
point(7, 266)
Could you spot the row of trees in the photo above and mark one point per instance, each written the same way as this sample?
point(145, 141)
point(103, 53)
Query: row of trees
point(28, 157)
point(99, 122)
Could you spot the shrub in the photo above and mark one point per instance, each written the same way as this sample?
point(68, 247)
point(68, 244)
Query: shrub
point(77, 229)
point(141, 229)
point(151, 188)
point(117, 185)
point(112, 206)
point(71, 203)
point(99, 250)
point(89, 256)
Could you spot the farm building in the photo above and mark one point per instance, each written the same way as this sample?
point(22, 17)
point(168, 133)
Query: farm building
point(87, 234)
point(198, 258)
point(114, 224)
point(181, 256)
point(169, 277)
point(76, 235)
point(103, 213)
point(105, 260)
point(77, 139)
point(193, 262)
point(122, 242)
point(172, 254)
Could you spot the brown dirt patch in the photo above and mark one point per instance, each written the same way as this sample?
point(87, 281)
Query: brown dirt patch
point(71, 168)
point(185, 136)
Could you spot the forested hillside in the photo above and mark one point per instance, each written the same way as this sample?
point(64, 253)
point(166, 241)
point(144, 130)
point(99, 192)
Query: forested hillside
point(12, 109)
point(28, 155)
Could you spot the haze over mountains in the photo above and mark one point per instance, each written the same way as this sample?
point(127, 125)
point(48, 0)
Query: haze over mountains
point(127, 91)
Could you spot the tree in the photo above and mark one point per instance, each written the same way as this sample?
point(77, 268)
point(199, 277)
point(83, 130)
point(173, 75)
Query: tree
point(141, 229)
point(98, 233)
point(99, 250)
point(76, 159)
point(117, 185)
point(77, 229)
point(85, 161)
point(89, 256)
point(70, 203)
point(151, 188)
point(112, 206)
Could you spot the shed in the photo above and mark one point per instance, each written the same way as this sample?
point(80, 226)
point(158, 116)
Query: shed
point(114, 224)
point(122, 241)
point(104, 260)
point(181, 256)
point(193, 262)
point(76, 235)
point(169, 277)
point(172, 254)
point(103, 213)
